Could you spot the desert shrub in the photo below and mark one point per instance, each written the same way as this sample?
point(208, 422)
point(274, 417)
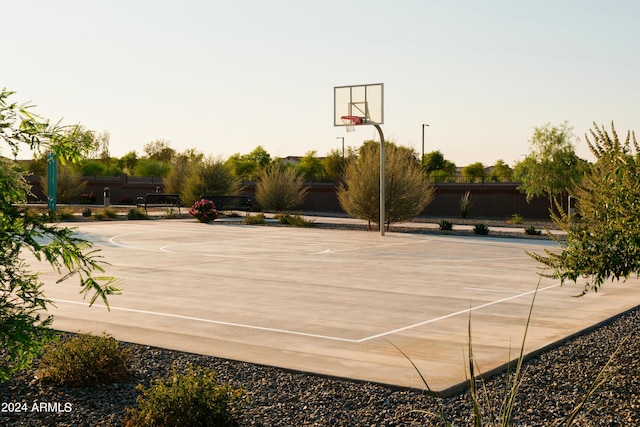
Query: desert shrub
point(531, 231)
point(204, 211)
point(280, 188)
point(295, 220)
point(517, 219)
point(465, 204)
point(191, 399)
point(171, 212)
point(69, 185)
point(86, 213)
point(65, 214)
point(137, 213)
point(84, 360)
point(445, 225)
point(211, 177)
point(481, 229)
point(254, 219)
point(106, 213)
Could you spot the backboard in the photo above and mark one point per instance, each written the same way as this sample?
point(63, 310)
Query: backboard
point(360, 104)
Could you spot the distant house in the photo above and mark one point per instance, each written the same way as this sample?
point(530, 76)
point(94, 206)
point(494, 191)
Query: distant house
point(291, 160)
point(295, 160)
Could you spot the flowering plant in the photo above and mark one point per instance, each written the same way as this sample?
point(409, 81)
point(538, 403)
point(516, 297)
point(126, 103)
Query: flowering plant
point(87, 198)
point(204, 210)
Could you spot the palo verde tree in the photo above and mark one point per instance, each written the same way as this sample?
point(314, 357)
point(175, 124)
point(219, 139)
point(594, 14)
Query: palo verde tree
point(552, 167)
point(603, 241)
point(407, 190)
point(23, 327)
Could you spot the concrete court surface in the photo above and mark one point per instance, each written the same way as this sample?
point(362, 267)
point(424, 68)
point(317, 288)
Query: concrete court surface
point(329, 301)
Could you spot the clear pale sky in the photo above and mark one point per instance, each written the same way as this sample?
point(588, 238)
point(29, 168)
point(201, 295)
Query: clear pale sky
point(226, 76)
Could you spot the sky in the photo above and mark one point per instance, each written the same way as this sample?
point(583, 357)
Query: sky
point(226, 76)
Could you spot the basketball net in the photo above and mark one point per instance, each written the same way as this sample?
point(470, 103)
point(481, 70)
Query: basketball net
point(350, 122)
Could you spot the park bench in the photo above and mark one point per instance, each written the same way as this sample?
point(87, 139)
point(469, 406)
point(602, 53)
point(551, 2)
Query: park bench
point(159, 200)
point(230, 203)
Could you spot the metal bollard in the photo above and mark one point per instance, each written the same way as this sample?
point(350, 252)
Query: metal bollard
point(107, 197)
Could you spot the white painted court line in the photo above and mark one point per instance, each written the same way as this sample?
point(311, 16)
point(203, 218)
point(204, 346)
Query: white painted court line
point(304, 334)
point(469, 310)
point(166, 249)
point(217, 322)
point(502, 291)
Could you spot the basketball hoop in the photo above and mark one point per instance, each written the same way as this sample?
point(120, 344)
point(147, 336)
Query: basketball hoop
point(350, 122)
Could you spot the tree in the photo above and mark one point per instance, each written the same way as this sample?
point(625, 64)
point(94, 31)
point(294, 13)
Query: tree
point(69, 185)
point(23, 329)
point(151, 167)
point(248, 166)
point(603, 242)
point(128, 162)
point(437, 167)
point(209, 177)
point(433, 161)
point(280, 188)
point(552, 167)
point(98, 167)
point(180, 165)
point(407, 191)
point(501, 172)
point(99, 143)
point(159, 150)
point(474, 172)
point(312, 168)
point(333, 164)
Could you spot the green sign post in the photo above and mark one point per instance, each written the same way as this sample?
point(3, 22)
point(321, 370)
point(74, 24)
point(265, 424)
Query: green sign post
point(52, 182)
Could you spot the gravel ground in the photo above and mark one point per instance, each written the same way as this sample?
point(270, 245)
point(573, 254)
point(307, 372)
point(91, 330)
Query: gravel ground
point(553, 384)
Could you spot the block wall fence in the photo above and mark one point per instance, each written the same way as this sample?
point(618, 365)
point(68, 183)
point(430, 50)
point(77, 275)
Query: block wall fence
point(494, 200)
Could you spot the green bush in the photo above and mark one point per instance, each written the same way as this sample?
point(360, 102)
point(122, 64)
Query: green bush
point(86, 213)
point(106, 213)
point(295, 220)
point(184, 400)
point(445, 225)
point(84, 360)
point(531, 231)
point(517, 219)
point(254, 219)
point(65, 214)
point(481, 229)
point(137, 213)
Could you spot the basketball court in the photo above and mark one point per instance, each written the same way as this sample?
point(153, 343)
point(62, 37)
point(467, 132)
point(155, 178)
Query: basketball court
point(329, 301)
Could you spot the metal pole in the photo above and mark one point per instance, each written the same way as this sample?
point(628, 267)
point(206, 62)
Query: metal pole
point(342, 138)
point(422, 158)
point(382, 195)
